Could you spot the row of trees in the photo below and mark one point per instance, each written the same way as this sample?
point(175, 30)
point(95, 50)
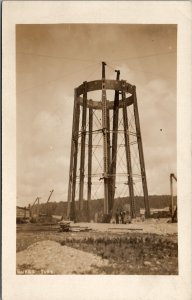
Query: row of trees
point(60, 208)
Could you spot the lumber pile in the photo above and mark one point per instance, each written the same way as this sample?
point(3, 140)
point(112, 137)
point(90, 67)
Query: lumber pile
point(68, 226)
point(64, 226)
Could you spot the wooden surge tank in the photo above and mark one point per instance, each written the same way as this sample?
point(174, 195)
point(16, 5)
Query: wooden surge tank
point(108, 126)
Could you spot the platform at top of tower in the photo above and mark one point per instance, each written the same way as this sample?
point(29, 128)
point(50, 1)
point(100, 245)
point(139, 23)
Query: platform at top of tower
point(110, 104)
point(109, 85)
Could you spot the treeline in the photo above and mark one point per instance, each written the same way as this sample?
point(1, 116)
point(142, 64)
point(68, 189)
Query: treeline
point(96, 206)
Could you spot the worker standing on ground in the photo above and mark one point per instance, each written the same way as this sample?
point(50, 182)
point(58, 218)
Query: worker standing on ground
point(122, 217)
point(117, 216)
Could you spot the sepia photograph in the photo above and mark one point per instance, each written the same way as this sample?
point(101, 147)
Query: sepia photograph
point(96, 149)
point(96, 143)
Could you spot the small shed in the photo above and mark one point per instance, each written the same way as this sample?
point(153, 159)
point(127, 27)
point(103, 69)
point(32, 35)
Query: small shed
point(22, 214)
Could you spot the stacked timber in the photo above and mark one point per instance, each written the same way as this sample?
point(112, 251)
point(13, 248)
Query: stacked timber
point(79, 228)
point(64, 225)
point(67, 226)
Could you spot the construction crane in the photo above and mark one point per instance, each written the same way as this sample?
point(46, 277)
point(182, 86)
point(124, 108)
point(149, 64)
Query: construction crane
point(47, 208)
point(51, 192)
point(36, 200)
point(173, 211)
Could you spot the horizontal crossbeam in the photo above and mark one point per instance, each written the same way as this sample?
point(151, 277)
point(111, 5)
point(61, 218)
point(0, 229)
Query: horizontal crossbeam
point(110, 104)
point(109, 85)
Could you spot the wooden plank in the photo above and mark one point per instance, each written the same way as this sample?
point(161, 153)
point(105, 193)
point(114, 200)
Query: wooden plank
point(120, 228)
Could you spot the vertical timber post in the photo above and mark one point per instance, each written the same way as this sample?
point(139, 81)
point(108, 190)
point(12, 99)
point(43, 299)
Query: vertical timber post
point(72, 157)
point(171, 189)
point(83, 136)
point(105, 150)
point(29, 210)
point(70, 175)
point(109, 160)
point(38, 209)
point(89, 162)
point(128, 152)
point(173, 212)
point(75, 152)
point(109, 132)
point(141, 156)
point(114, 142)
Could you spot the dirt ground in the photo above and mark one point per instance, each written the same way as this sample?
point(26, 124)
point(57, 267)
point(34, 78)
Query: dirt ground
point(49, 257)
point(148, 247)
point(156, 226)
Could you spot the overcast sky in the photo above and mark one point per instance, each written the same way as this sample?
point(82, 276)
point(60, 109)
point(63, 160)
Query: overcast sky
point(54, 59)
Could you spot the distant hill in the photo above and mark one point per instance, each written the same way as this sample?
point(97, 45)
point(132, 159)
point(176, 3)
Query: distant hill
point(60, 208)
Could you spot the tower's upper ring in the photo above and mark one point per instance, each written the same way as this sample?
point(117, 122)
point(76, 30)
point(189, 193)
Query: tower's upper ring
point(96, 85)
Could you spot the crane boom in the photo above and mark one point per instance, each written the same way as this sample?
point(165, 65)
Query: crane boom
point(51, 192)
point(35, 202)
point(173, 176)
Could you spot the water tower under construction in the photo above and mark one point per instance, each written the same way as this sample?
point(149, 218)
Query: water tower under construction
point(106, 160)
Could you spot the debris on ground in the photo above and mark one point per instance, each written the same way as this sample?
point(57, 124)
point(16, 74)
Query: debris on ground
point(117, 228)
point(66, 226)
point(128, 250)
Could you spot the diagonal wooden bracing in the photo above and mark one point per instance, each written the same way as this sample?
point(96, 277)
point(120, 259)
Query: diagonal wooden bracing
point(108, 131)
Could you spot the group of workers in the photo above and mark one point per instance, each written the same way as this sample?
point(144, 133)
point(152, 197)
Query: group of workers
point(120, 216)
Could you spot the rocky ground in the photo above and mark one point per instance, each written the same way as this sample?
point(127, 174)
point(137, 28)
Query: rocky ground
point(141, 248)
point(49, 257)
